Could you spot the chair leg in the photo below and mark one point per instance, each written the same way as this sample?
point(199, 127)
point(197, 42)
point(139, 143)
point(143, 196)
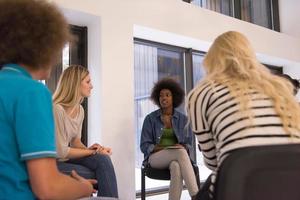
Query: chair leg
point(143, 192)
point(196, 170)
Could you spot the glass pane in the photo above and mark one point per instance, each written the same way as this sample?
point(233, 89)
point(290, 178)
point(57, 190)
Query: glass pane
point(226, 7)
point(151, 64)
point(257, 12)
point(221, 6)
point(66, 56)
point(198, 74)
point(198, 3)
point(198, 70)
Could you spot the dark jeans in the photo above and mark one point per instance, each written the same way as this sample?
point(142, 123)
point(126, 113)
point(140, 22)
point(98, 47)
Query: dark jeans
point(99, 166)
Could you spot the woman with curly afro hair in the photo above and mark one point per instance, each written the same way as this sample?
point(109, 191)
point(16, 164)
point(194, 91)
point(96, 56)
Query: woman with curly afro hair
point(165, 139)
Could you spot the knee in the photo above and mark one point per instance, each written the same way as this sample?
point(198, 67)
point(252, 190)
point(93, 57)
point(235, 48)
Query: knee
point(102, 159)
point(182, 153)
point(174, 167)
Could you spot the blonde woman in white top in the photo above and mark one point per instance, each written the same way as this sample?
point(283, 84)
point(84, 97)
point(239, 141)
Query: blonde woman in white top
point(74, 85)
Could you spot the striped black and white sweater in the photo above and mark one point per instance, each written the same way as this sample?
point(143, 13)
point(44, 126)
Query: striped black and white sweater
point(220, 126)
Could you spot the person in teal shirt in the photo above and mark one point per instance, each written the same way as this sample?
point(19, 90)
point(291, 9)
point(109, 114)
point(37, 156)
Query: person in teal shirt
point(32, 34)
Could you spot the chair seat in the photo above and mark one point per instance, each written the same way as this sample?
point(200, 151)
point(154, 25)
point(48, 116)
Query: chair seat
point(159, 174)
point(260, 173)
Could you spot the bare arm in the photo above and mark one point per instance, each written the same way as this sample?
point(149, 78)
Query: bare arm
point(76, 143)
point(78, 149)
point(48, 183)
point(79, 153)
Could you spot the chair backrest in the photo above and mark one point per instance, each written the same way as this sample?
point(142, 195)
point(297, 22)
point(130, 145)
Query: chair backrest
point(260, 173)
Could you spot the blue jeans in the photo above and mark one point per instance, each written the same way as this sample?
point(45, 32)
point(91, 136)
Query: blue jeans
point(97, 166)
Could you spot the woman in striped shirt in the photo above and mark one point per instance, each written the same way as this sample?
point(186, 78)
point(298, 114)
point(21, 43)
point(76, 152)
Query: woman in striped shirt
point(239, 104)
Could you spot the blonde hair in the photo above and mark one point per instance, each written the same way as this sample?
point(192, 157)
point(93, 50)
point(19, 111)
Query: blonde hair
point(67, 92)
point(232, 61)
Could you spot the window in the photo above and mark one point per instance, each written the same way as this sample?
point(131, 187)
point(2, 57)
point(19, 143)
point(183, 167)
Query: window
point(153, 61)
point(74, 52)
point(261, 12)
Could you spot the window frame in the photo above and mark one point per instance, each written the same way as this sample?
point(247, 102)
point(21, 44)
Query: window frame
point(187, 54)
point(79, 57)
point(235, 11)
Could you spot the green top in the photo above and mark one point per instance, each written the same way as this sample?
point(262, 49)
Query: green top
point(168, 138)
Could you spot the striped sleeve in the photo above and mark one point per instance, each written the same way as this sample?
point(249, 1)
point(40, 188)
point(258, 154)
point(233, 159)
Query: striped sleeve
point(198, 101)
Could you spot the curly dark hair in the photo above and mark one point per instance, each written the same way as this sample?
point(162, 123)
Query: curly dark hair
point(173, 86)
point(32, 32)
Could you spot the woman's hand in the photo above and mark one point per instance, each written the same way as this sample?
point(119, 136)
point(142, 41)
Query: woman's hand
point(88, 182)
point(97, 147)
point(105, 151)
point(101, 149)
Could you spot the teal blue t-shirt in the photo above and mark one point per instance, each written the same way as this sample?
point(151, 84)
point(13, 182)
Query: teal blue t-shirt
point(26, 129)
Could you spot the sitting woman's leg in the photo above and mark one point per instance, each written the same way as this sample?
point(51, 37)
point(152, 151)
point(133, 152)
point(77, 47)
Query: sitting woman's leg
point(187, 171)
point(176, 181)
point(159, 160)
point(83, 171)
point(105, 174)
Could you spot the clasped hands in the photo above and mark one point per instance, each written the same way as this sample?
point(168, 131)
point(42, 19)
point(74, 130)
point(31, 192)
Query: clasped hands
point(100, 149)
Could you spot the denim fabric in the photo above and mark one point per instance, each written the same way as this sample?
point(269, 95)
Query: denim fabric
point(152, 131)
point(83, 171)
point(103, 168)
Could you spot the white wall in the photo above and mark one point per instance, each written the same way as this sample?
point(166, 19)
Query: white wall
point(112, 26)
point(289, 17)
point(290, 24)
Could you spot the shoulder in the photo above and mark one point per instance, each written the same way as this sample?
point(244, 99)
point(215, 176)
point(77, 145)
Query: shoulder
point(198, 89)
point(30, 85)
point(153, 115)
point(58, 110)
point(180, 115)
point(35, 93)
point(204, 89)
point(58, 107)
point(176, 112)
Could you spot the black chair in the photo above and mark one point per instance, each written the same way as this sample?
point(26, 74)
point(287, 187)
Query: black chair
point(260, 173)
point(159, 174)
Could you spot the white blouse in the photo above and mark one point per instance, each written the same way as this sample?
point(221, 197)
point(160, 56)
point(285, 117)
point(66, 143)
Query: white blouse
point(66, 129)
